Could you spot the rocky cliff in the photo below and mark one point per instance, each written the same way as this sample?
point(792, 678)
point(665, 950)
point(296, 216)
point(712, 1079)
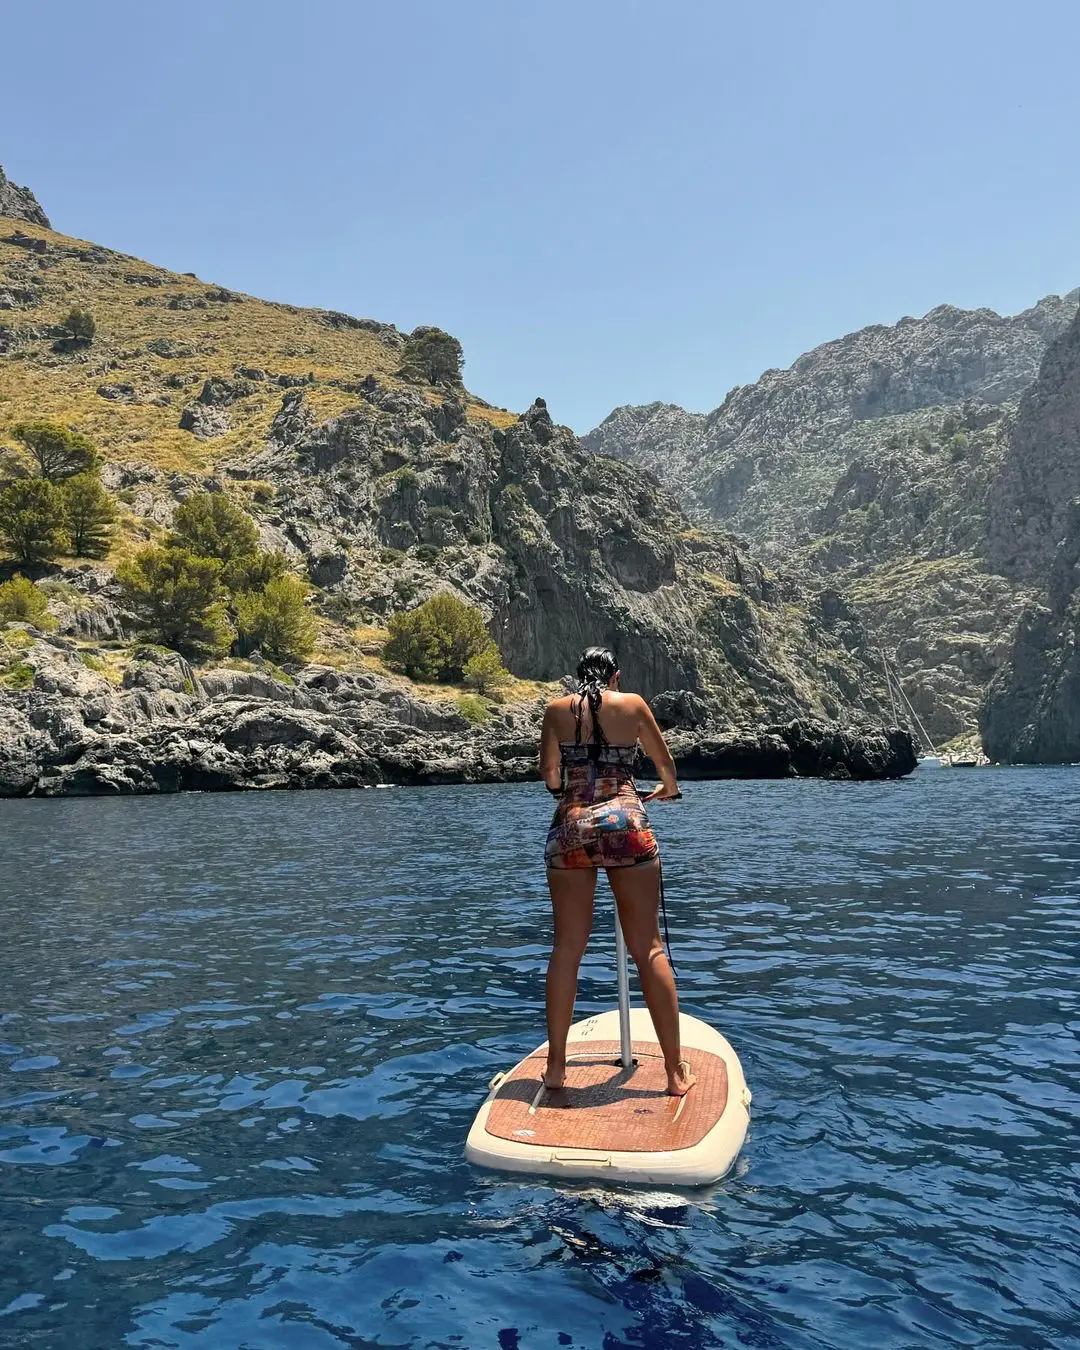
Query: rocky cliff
point(19, 203)
point(1031, 506)
point(1032, 711)
point(871, 465)
point(169, 727)
point(363, 458)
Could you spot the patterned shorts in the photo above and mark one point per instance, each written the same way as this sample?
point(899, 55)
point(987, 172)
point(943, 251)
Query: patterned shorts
point(600, 822)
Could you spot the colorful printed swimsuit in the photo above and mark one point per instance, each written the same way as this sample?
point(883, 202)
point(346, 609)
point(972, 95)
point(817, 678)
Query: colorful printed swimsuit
point(599, 821)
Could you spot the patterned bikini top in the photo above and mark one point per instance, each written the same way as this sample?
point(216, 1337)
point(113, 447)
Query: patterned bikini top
point(575, 753)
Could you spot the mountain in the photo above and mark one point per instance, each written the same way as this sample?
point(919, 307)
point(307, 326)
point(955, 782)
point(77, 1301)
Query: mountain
point(361, 455)
point(772, 451)
point(869, 465)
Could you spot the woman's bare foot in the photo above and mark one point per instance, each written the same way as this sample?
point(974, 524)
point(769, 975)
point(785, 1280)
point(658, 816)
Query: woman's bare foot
point(554, 1076)
point(681, 1081)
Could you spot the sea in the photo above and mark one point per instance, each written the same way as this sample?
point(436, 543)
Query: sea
point(243, 1037)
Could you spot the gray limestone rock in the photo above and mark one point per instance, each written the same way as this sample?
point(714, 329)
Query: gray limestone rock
point(1032, 708)
point(19, 203)
point(117, 393)
point(204, 421)
point(172, 728)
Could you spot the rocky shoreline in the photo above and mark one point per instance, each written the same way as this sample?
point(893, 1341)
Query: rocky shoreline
point(171, 728)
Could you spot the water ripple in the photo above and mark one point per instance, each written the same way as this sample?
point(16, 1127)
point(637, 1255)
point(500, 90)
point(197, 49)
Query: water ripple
point(242, 1039)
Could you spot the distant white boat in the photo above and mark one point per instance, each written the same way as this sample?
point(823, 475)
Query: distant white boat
point(930, 762)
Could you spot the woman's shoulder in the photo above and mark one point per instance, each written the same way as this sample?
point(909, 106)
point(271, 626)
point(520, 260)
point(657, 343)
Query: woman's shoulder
point(560, 711)
point(629, 702)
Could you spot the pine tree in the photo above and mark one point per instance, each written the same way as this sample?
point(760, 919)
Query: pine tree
point(90, 514)
point(437, 639)
point(80, 324)
point(213, 526)
point(32, 520)
point(255, 571)
point(431, 356)
point(58, 451)
point(485, 670)
point(178, 599)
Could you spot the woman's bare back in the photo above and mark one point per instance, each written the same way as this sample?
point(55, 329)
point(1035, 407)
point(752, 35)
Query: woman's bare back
point(622, 717)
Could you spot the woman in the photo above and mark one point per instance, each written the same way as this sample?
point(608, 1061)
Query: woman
point(587, 746)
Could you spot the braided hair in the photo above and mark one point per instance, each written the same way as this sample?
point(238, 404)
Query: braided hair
point(595, 668)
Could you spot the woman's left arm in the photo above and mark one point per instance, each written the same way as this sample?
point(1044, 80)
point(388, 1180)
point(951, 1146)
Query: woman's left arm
point(550, 753)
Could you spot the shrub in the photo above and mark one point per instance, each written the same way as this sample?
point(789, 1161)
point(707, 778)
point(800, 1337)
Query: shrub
point(391, 557)
point(18, 675)
point(177, 598)
point(213, 526)
point(22, 602)
point(255, 571)
point(32, 520)
point(80, 325)
point(427, 554)
point(58, 451)
point(263, 493)
point(431, 356)
point(89, 513)
point(485, 671)
point(476, 537)
point(472, 709)
point(411, 645)
point(405, 589)
point(405, 478)
point(437, 639)
point(276, 620)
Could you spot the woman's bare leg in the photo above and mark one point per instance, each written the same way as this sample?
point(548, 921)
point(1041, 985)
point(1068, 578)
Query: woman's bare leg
point(572, 890)
point(637, 894)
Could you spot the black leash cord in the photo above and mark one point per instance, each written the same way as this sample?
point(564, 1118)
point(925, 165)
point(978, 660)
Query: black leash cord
point(663, 911)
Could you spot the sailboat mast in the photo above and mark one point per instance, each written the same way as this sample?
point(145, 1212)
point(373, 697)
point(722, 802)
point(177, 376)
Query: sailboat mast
point(888, 686)
point(907, 704)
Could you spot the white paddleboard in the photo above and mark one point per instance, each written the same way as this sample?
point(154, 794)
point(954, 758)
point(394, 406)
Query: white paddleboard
point(615, 1123)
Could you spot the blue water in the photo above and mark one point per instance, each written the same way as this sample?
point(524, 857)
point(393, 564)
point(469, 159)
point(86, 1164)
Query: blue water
point(242, 1039)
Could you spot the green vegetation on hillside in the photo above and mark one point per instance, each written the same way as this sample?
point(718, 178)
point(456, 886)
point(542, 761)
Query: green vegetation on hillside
point(442, 640)
point(22, 602)
point(210, 587)
point(178, 598)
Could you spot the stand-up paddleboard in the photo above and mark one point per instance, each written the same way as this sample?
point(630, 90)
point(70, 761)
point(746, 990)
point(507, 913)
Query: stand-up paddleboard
point(613, 1117)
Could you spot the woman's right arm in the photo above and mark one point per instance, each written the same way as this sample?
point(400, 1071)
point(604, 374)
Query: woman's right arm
point(654, 745)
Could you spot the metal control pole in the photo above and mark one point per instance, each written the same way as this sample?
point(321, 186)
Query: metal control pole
point(626, 1049)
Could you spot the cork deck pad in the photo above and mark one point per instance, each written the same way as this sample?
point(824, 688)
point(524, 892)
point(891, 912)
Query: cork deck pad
point(604, 1106)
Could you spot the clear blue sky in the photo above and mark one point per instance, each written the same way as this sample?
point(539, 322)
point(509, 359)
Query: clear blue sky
point(608, 201)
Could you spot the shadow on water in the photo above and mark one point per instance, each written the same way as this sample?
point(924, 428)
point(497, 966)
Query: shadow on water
point(242, 1039)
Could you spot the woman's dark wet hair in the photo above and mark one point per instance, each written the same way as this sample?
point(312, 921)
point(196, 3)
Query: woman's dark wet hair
point(594, 670)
